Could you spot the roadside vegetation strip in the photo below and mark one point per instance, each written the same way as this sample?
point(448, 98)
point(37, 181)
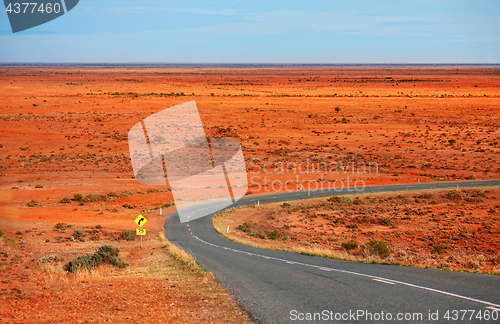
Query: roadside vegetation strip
point(83, 281)
point(448, 229)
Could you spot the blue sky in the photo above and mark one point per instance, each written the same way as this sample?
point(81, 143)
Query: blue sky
point(247, 31)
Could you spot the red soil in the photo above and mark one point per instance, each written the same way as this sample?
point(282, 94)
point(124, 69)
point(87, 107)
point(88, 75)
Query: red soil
point(63, 130)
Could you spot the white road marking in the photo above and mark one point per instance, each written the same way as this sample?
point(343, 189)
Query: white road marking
point(354, 273)
point(494, 308)
point(384, 281)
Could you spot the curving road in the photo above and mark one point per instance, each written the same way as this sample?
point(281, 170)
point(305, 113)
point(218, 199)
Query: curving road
point(284, 287)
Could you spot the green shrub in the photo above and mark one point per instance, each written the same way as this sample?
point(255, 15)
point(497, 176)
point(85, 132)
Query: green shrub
point(32, 203)
point(274, 235)
point(335, 199)
point(38, 186)
point(128, 235)
point(126, 194)
point(65, 201)
point(168, 204)
point(340, 220)
point(386, 222)
point(2, 233)
point(105, 254)
point(426, 196)
point(95, 197)
point(77, 197)
point(285, 205)
point(245, 227)
point(113, 194)
point(346, 200)
point(350, 245)
point(62, 225)
point(438, 249)
point(257, 235)
point(455, 195)
point(380, 248)
point(77, 234)
point(358, 201)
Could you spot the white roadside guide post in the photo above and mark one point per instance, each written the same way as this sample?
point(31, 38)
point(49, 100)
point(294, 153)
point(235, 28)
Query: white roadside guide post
point(227, 232)
point(140, 220)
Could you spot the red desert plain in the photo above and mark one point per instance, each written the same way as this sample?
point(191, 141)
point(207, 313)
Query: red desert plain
point(67, 185)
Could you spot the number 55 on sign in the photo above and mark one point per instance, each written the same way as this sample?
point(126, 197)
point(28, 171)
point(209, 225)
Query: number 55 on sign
point(140, 231)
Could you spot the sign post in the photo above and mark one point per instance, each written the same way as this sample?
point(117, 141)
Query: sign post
point(141, 232)
point(140, 220)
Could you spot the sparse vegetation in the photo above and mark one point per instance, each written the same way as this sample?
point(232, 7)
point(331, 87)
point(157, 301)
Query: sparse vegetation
point(65, 201)
point(107, 254)
point(126, 194)
point(62, 226)
point(350, 245)
point(127, 235)
point(32, 203)
point(379, 248)
point(78, 234)
point(438, 249)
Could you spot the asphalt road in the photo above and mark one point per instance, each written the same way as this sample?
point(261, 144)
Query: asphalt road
point(284, 287)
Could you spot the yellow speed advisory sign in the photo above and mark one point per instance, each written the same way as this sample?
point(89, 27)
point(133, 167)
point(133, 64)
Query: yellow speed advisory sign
point(140, 220)
point(140, 231)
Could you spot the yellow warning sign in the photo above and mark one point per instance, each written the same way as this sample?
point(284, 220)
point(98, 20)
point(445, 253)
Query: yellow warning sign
point(140, 220)
point(140, 231)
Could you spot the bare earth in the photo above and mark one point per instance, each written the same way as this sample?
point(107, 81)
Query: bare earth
point(452, 229)
point(63, 131)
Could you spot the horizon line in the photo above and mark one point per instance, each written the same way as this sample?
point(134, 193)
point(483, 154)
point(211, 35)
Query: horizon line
point(236, 64)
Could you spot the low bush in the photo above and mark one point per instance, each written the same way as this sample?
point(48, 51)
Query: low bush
point(346, 200)
point(77, 234)
point(77, 197)
point(168, 204)
point(358, 201)
point(340, 220)
point(113, 194)
point(335, 199)
point(350, 245)
point(386, 222)
point(455, 195)
point(95, 197)
point(32, 203)
point(65, 201)
point(128, 235)
point(438, 249)
point(257, 235)
point(426, 196)
point(274, 235)
point(126, 194)
point(380, 248)
point(62, 225)
point(105, 254)
point(245, 227)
